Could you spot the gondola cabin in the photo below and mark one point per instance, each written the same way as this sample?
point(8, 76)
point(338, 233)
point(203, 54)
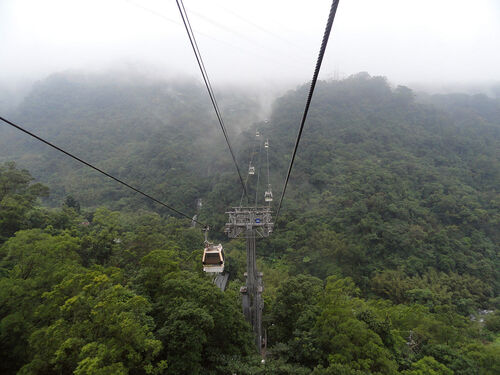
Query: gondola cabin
point(213, 258)
point(251, 170)
point(268, 196)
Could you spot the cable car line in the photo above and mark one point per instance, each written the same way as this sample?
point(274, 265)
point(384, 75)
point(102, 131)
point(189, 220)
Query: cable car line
point(258, 173)
point(101, 171)
point(204, 74)
point(154, 12)
point(249, 51)
point(248, 174)
point(268, 195)
point(243, 193)
point(251, 168)
point(267, 157)
point(261, 28)
point(234, 32)
point(326, 35)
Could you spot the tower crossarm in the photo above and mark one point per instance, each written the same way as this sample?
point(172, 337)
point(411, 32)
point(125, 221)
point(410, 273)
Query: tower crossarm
point(242, 219)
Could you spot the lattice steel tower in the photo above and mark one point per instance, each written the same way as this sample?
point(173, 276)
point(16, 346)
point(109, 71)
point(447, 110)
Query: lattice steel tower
point(249, 223)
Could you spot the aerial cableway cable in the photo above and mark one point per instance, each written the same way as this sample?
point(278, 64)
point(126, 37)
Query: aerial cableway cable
point(268, 195)
point(100, 171)
point(204, 74)
point(250, 164)
point(258, 173)
point(326, 35)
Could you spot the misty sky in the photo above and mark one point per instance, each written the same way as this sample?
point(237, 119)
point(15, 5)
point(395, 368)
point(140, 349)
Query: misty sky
point(259, 41)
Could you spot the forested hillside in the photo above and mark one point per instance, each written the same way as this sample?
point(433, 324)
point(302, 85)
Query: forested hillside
point(385, 259)
point(400, 184)
point(160, 135)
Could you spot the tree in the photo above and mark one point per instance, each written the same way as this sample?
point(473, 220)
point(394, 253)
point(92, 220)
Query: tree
point(295, 298)
point(33, 262)
point(428, 366)
point(346, 340)
point(96, 326)
point(17, 198)
point(198, 324)
point(71, 202)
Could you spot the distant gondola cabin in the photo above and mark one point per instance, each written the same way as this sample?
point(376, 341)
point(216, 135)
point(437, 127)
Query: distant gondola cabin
point(213, 258)
point(268, 196)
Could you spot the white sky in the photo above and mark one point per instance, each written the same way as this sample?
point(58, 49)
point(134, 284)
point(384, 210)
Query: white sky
point(259, 41)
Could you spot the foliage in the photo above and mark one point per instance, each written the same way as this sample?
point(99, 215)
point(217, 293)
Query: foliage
point(17, 199)
point(384, 262)
point(96, 326)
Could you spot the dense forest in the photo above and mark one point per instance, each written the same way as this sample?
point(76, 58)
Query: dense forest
point(385, 259)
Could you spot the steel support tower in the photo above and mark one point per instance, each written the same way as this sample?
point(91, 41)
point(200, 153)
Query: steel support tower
point(249, 223)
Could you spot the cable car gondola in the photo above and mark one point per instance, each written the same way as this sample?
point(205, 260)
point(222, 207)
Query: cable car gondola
point(268, 196)
point(251, 169)
point(266, 143)
point(213, 258)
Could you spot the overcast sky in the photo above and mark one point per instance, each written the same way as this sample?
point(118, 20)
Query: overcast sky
point(257, 41)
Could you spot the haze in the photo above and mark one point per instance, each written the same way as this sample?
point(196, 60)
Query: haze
point(259, 42)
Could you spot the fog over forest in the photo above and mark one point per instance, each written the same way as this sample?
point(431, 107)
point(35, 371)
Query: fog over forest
point(268, 46)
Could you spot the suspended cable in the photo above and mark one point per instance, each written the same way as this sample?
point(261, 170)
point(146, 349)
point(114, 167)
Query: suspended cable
point(240, 47)
point(253, 150)
point(248, 174)
point(322, 50)
point(154, 12)
point(234, 32)
point(243, 193)
point(100, 171)
point(258, 172)
point(268, 179)
point(204, 74)
point(263, 29)
point(267, 157)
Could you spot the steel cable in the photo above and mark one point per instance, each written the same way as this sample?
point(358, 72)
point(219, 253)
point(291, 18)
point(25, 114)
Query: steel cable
point(100, 170)
point(326, 35)
point(199, 59)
